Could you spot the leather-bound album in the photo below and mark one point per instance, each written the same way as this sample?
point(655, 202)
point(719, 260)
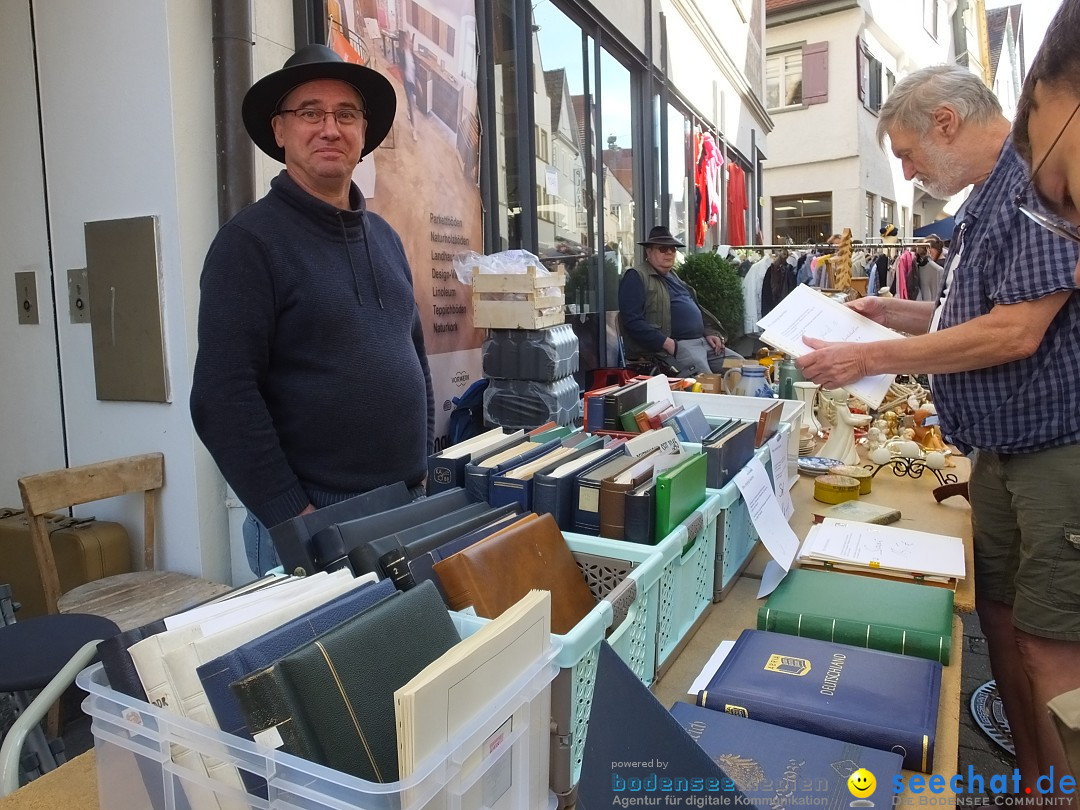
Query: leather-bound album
point(553, 492)
point(729, 454)
point(764, 759)
point(640, 514)
point(587, 502)
point(331, 701)
point(496, 572)
point(446, 469)
point(336, 541)
point(389, 556)
point(768, 423)
point(422, 568)
point(900, 617)
point(866, 697)
point(294, 539)
point(613, 490)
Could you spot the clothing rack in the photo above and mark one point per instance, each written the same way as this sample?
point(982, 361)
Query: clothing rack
point(900, 243)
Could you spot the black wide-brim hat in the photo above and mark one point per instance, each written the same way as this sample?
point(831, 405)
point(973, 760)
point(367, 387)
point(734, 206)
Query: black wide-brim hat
point(308, 64)
point(660, 235)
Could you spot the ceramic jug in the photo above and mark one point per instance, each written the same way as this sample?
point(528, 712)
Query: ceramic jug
point(748, 381)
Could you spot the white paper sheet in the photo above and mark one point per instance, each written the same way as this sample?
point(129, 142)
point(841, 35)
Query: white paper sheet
point(766, 514)
point(771, 577)
point(713, 664)
point(805, 312)
point(777, 446)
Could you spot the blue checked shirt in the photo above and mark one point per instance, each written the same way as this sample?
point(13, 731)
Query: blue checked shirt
point(1028, 404)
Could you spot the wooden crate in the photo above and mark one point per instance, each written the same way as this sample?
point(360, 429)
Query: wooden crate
point(492, 311)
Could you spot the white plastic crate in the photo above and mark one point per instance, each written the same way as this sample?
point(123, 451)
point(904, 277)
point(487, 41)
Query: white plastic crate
point(132, 741)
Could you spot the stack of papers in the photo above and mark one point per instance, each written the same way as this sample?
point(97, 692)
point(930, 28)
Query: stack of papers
point(888, 550)
point(805, 312)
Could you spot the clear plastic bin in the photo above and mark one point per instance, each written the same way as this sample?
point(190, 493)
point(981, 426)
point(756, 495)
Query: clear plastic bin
point(132, 741)
point(625, 579)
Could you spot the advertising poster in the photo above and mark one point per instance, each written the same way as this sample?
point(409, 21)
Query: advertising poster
point(424, 178)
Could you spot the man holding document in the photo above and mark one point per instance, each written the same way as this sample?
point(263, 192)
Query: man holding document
point(1002, 341)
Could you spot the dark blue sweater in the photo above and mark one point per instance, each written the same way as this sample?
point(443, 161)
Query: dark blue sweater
point(311, 382)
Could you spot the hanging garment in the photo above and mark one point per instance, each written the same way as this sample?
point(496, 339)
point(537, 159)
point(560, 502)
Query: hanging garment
point(752, 294)
point(737, 205)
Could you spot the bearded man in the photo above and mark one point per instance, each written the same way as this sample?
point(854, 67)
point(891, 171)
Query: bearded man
point(1001, 339)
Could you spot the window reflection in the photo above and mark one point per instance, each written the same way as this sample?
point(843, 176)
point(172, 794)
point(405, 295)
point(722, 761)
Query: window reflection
point(678, 184)
point(508, 205)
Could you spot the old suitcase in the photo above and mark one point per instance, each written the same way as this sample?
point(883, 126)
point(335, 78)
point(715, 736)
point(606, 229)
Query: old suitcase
point(85, 550)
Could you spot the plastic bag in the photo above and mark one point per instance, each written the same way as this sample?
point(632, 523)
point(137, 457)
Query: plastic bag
point(506, 261)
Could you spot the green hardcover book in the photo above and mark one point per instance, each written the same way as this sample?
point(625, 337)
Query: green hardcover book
point(554, 433)
point(679, 491)
point(628, 419)
point(879, 614)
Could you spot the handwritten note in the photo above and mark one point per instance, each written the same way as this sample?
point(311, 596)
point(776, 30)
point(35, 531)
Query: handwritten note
point(885, 547)
point(766, 514)
point(805, 312)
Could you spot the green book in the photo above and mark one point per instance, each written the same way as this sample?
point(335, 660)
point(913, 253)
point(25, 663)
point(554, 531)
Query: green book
point(628, 419)
point(679, 491)
point(554, 433)
point(879, 614)
point(331, 700)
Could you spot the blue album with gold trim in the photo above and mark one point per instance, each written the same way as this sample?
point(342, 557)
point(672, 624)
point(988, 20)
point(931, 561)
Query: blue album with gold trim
point(866, 697)
point(780, 767)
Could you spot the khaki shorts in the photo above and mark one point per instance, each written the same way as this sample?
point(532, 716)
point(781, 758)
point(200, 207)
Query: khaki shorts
point(1025, 512)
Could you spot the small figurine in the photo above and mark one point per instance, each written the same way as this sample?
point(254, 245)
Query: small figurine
point(841, 442)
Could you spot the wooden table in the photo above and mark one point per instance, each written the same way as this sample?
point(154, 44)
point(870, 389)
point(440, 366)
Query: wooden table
point(738, 610)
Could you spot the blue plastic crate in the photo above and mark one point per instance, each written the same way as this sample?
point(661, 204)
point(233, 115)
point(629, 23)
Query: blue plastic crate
point(686, 587)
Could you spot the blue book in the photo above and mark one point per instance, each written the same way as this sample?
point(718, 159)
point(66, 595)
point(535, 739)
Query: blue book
point(263, 651)
point(866, 697)
point(773, 765)
point(692, 424)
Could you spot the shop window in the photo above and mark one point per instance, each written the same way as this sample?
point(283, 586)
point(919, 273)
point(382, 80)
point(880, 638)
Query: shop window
point(679, 147)
point(510, 186)
point(802, 218)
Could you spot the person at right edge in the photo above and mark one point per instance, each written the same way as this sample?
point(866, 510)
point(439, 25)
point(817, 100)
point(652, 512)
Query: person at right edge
point(1002, 345)
point(1047, 136)
point(311, 384)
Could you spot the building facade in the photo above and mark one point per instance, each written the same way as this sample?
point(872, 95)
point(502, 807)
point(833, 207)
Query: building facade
point(566, 128)
point(830, 65)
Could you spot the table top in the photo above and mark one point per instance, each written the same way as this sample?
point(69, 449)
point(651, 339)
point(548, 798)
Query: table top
point(738, 610)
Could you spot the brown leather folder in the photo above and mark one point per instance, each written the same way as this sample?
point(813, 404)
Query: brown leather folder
point(613, 491)
point(501, 569)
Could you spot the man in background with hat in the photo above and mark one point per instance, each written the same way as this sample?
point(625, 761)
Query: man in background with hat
point(660, 317)
point(311, 383)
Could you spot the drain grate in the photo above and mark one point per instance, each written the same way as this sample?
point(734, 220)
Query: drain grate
point(989, 714)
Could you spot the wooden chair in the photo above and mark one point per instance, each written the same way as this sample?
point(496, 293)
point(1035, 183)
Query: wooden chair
point(130, 600)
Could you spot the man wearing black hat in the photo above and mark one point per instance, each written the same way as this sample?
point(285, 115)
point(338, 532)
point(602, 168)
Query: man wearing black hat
point(660, 316)
point(311, 383)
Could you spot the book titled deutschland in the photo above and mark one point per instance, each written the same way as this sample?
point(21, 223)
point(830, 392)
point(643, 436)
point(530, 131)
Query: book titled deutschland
point(899, 617)
point(865, 697)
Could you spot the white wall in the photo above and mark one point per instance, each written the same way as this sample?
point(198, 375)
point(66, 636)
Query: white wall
point(31, 438)
point(706, 42)
point(127, 111)
point(819, 132)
